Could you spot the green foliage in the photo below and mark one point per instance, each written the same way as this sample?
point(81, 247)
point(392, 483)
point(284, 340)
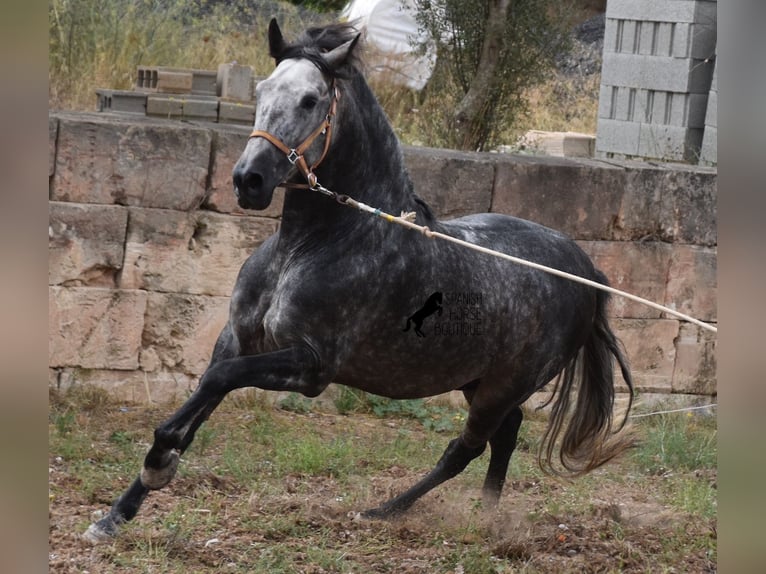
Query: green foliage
point(677, 442)
point(535, 31)
point(295, 403)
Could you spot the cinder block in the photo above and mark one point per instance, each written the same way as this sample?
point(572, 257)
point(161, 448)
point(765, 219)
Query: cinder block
point(692, 282)
point(615, 136)
point(204, 82)
point(662, 10)
point(197, 108)
point(163, 80)
point(709, 149)
point(657, 73)
point(236, 113)
point(85, 243)
point(104, 158)
point(197, 253)
point(453, 183)
point(181, 330)
point(669, 142)
point(121, 101)
point(235, 82)
point(637, 268)
point(94, 328)
point(169, 107)
point(695, 367)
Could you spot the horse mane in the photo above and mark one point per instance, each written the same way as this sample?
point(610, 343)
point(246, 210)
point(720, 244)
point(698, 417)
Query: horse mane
point(314, 42)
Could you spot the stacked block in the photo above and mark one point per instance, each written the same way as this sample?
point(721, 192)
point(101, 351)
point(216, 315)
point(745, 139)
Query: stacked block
point(709, 151)
point(658, 65)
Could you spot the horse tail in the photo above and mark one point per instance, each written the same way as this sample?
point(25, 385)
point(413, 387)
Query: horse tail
point(589, 439)
point(407, 328)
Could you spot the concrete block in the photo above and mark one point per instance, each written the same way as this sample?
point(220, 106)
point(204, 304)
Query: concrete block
point(695, 367)
point(709, 149)
point(197, 108)
point(711, 111)
point(228, 145)
point(85, 243)
point(662, 10)
point(452, 183)
point(236, 113)
point(661, 73)
point(576, 198)
point(53, 131)
point(616, 136)
point(650, 348)
point(95, 328)
point(692, 282)
point(168, 107)
point(121, 101)
point(197, 253)
point(204, 82)
point(669, 142)
point(637, 268)
point(163, 80)
point(235, 82)
point(181, 330)
point(108, 159)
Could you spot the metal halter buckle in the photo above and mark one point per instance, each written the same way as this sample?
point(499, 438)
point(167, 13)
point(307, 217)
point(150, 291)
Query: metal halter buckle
point(293, 156)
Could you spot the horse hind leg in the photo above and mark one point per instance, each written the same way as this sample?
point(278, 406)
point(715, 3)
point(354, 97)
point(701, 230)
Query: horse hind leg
point(502, 445)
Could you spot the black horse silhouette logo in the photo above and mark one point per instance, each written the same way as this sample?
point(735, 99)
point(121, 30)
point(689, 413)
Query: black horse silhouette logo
point(432, 305)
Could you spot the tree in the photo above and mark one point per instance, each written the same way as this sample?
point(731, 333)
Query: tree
point(491, 51)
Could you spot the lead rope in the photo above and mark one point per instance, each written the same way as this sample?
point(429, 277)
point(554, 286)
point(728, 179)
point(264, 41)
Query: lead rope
point(408, 220)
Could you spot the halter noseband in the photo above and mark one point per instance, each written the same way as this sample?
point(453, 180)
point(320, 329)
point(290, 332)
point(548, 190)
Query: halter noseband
point(295, 155)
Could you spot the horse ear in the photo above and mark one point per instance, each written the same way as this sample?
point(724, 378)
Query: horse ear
point(339, 55)
point(276, 41)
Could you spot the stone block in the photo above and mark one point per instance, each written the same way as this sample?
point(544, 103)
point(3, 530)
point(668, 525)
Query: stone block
point(228, 145)
point(197, 108)
point(107, 159)
point(235, 82)
point(650, 348)
point(452, 183)
point(236, 113)
point(135, 386)
point(181, 330)
point(640, 269)
point(85, 243)
point(688, 206)
point(692, 282)
point(197, 253)
point(94, 328)
point(695, 367)
point(121, 101)
point(578, 197)
point(669, 142)
point(53, 130)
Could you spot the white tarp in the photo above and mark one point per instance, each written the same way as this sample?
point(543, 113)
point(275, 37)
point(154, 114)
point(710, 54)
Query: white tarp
point(392, 32)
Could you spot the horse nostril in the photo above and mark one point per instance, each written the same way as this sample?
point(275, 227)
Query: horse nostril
point(247, 180)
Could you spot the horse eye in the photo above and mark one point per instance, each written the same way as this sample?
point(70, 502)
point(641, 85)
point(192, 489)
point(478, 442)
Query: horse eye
point(308, 103)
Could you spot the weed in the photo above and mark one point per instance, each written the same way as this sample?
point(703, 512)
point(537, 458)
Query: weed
point(677, 442)
point(295, 403)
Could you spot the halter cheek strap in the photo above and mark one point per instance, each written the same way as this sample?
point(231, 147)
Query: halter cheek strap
point(295, 155)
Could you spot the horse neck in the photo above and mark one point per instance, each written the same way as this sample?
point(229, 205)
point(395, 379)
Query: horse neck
point(365, 162)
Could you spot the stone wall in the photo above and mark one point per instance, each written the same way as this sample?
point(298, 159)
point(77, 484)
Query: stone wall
point(145, 242)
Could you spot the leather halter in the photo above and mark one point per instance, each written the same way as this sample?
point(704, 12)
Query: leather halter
point(295, 155)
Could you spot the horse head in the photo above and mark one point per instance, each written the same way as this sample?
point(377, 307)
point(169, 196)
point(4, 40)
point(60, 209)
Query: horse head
point(295, 109)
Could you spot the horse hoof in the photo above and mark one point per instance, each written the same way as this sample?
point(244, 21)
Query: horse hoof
point(380, 513)
point(156, 478)
point(101, 532)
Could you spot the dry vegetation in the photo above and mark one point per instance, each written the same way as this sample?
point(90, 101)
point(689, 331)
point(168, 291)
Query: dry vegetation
point(268, 490)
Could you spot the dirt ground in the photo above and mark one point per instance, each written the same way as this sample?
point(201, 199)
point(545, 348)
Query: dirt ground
point(623, 528)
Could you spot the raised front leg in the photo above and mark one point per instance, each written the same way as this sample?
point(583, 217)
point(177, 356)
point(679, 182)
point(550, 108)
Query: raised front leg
point(294, 369)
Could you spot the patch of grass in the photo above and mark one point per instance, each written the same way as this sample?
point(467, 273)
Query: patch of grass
point(677, 441)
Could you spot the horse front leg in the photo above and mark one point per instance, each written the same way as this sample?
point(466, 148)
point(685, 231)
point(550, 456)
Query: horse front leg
point(294, 369)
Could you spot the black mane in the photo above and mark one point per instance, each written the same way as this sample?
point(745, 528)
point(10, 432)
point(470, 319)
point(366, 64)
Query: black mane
point(318, 40)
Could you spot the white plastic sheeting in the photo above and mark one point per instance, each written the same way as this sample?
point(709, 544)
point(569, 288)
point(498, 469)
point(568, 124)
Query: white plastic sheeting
point(392, 32)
